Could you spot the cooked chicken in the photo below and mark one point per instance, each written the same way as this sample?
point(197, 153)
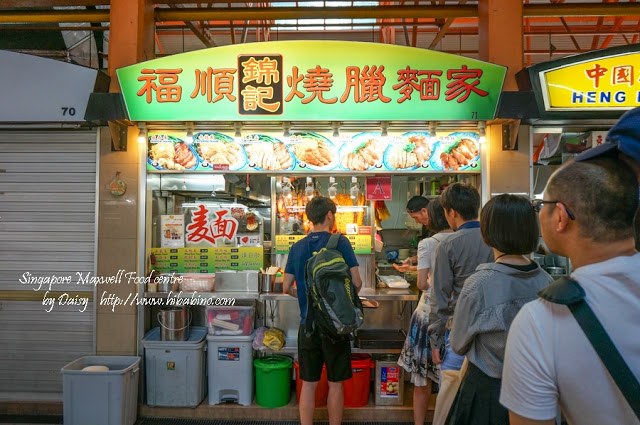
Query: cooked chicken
point(449, 161)
point(313, 152)
point(413, 154)
point(220, 152)
point(462, 154)
point(365, 156)
point(269, 156)
point(172, 156)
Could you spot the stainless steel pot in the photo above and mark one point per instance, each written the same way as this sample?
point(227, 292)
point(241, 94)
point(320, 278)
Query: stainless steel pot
point(164, 282)
point(174, 324)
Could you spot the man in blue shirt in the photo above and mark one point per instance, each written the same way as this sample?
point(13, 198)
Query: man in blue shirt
point(456, 259)
point(314, 350)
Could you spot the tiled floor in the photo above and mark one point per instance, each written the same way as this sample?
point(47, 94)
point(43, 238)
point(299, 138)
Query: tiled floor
point(50, 413)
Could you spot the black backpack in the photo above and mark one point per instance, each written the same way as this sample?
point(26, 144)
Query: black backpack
point(332, 301)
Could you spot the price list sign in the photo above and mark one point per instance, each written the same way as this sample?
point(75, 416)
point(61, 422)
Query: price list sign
point(242, 258)
point(206, 260)
point(361, 244)
point(199, 260)
point(168, 260)
point(285, 242)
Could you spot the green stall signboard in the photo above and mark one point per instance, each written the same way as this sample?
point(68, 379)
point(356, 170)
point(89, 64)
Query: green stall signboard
point(311, 81)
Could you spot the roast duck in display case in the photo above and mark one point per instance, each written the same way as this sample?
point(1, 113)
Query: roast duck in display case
point(292, 218)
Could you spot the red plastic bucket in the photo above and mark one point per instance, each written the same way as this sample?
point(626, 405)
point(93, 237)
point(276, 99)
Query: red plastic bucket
point(322, 390)
point(358, 387)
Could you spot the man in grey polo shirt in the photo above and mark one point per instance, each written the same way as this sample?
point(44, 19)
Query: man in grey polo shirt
point(456, 259)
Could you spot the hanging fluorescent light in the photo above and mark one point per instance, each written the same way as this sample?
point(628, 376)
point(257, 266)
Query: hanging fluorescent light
point(482, 131)
point(142, 133)
point(384, 129)
point(286, 129)
point(432, 129)
point(189, 138)
point(238, 131)
point(336, 129)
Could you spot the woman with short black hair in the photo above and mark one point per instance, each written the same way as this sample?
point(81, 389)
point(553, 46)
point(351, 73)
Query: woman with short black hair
point(488, 303)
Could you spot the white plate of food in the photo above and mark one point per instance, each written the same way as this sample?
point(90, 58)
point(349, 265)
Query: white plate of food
point(313, 151)
point(457, 151)
point(410, 152)
point(217, 149)
point(363, 152)
point(268, 153)
point(172, 154)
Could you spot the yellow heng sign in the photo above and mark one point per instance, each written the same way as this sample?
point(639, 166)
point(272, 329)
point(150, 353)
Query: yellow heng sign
point(610, 82)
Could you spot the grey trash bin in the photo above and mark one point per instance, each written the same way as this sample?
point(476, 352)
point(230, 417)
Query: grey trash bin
point(101, 398)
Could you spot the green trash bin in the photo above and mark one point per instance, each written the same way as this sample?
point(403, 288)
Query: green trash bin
point(273, 381)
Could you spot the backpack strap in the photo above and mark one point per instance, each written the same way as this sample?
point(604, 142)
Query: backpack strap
point(568, 292)
point(333, 241)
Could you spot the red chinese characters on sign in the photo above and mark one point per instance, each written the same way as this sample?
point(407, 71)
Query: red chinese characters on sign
point(596, 73)
point(214, 81)
point(428, 86)
point(463, 82)
point(162, 83)
point(622, 75)
point(367, 84)
point(203, 228)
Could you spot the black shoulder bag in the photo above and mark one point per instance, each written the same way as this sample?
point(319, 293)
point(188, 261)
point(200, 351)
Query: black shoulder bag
point(568, 292)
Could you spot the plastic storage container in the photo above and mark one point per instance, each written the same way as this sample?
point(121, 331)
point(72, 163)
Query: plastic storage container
point(358, 387)
point(230, 369)
point(273, 381)
point(230, 321)
point(389, 383)
point(101, 398)
point(322, 389)
point(175, 370)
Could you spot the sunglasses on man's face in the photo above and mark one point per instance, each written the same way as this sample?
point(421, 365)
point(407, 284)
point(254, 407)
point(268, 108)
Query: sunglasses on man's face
point(537, 205)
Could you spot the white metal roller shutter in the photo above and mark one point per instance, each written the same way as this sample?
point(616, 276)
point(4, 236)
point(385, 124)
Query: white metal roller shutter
point(47, 227)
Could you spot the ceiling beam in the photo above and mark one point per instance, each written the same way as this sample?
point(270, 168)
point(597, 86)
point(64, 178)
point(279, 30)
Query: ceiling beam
point(273, 13)
point(608, 39)
point(581, 9)
point(443, 30)
point(198, 30)
point(42, 4)
point(573, 39)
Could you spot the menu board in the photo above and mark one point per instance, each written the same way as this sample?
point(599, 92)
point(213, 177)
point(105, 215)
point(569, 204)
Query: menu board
point(314, 152)
point(206, 260)
point(361, 244)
